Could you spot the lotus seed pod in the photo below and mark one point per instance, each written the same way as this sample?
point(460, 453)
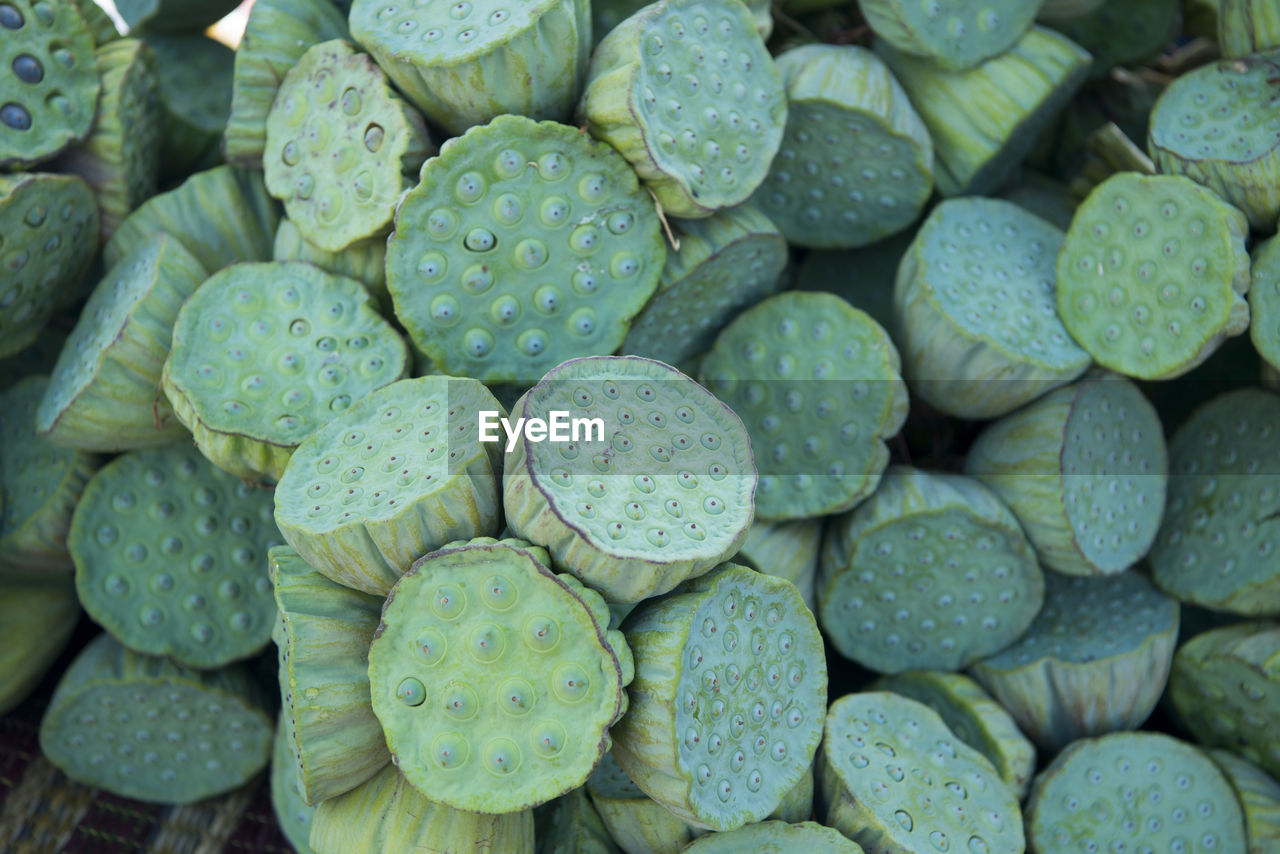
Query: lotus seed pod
point(862, 277)
point(952, 34)
point(788, 550)
point(104, 390)
point(1248, 26)
point(817, 384)
point(1043, 196)
point(499, 203)
point(635, 822)
point(1214, 547)
point(36, 621)
point(459, 714)
point(725, 263)
point(976, 311)
point(777, 837)
point(975, 718)
point(100, 25)
point(149, 729)
point(1221, 690)
point(856, 162)
point(1218, 126)
point(571, 825)
point(49, 102)
point(687, 92)
point(397, 475)
point(276, 35)
point(264, 354)
point(1152, 275)
point(40, 483)
point(242, 230)
point(660, 489)
point(1264, 302)
point(985, 120)
point(323, 635)
point(364, 260)
point(1084, 469)
point(1123, 33)
point(341, 146)
point(1259, 800)
point(161, 15)
point(930, 573)
point(1133, 791)
point(292, 812)
point(797, 804)
point(727, 703)
point(936, 792)
point(195, 97)
point(484, 61)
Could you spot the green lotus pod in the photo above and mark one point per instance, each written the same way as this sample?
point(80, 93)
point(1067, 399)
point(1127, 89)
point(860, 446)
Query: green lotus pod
point(461, 718)
point(974, 717)
point(776, 837)
point(1259, 800)
point(571, 825)
point(38, 358)
point(399, 474)
point(727, 703)
point(654, 100)
point(659, 492)
point(484, 61)
point(725, 263)
point(817, 383)
point(1043, 196)
point(1247, 27)
point(292, 812)
point(862, 277)
point(49, 101)
point(264, 354)
point(1221, 689)
point(364, 260)
point(40, 484)
point(500, 202)
point(323, 635)
point(1123, 33)
point(1095, 660)
point(1085, 470)
point(952, 34)
point(104, 394)
point(856, 162)
point(635, 822)
point(1152, 274)
point(151, 730)
point(195, 97)
point(241, 231)
point(1218, 126)
point(1264, 302)
point(1140, 791)
point(276, 35)
point(797, 804)
point(36, 621)
point(161, 15)
point(935, 792)
point(973, 585)
point(1214, 546)
point(985, 120)
point(337, 190)
point(788, 550)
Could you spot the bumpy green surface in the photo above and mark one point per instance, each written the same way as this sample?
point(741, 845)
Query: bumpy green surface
point(36, 621)
point(495, 679)
point(635, 821)
point(777, 837)
point(293, 813)
point(526, 243)
point(954, 34)
point(895, 779)
point(1264, 301)
point(48, 237)
point(1218, 535)
point(263, 354)
point(817, 384)
point(173, 14)
point(788, 550)
point(1123, 33)
point(195, 97)
point(930, 573)
point(365, 260)
point(1134, 791)
point(170, 557)
point(1248, 26)
point(1259, 800)
point(687, 92)
point(727, 703)
point(666, 493)
point(145, 728)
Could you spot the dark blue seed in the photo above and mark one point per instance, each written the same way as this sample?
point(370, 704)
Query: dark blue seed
point(10, 17)
point(28, 69)
point(15, 116)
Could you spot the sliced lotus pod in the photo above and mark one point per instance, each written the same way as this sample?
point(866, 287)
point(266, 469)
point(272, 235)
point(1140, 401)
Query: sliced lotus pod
point(797, 804)
point(1123, 33)
point(500, 202)
point(974, 717)
point(687, 92)
point(725, 263)
point(36, 621)
point(399, 474)
point(659, 491)
point(1140, 791)
point(1219, 126)
point(49, 101)
point(40, 484)
point(952, 34)
point(777, 837)
point(151, 730)
point(1247, 27)
point(38, 358)
point(1085, 470)
point(727, 703)
point(636, 822)
point(896, 779)
point(862, 277)
point(525, 59)
point(1264, 302)
point(264, 354)
point(292, 812)
point(195, 97)
point(100, 25)
point(1046, 197)
point(336, 190)
point(1215, 544)
point(365, 260)
point(932, 572)
point(461, 718)
point(161, 15)
point(788, 550)
point(571, 825)
point(985, 120)
point(1152, 274)
point(1259, 800)
point(322, 637)
point(976, 313)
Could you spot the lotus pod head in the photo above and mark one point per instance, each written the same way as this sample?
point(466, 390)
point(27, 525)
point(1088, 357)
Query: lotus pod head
point(1264, 304)
point(365, 260)
point(1259, 798)
point(777, 837)
point(953, 34)
point(1123, 35)
point(635, 821)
